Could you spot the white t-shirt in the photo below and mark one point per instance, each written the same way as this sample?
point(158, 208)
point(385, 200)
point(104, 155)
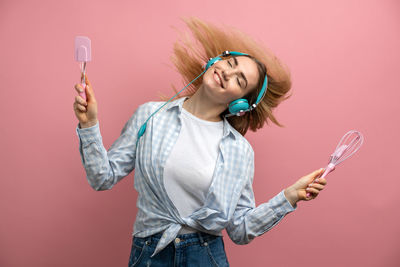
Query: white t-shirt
point(190, 166)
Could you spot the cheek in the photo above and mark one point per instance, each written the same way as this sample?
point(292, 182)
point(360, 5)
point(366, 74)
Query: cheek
point(209, 81)
point(207, 78)
point(234, 89)
point(232, 95)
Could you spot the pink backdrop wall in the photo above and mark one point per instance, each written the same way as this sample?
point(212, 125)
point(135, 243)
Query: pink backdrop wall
point(344, 58)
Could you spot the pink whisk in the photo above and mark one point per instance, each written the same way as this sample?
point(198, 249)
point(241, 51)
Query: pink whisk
point(347, 146)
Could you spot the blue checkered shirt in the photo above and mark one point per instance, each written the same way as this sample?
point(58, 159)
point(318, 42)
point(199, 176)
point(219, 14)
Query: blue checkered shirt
point(229, 203)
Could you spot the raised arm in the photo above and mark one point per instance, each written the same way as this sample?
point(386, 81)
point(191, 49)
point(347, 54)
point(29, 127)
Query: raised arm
point(104, 168)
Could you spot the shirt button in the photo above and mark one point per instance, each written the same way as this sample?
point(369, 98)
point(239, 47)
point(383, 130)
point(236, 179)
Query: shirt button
point(177, 240)
point(205, 244)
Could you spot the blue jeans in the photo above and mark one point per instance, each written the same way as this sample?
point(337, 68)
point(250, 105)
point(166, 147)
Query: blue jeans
point(192, 249)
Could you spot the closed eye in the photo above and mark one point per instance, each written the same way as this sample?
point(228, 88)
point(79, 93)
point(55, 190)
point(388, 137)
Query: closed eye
point(230, 64)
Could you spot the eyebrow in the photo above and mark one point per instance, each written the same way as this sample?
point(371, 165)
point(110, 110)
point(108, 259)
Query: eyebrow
point(237, 64)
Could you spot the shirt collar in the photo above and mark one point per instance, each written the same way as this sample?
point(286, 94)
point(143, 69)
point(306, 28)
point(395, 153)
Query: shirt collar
point(228, 129)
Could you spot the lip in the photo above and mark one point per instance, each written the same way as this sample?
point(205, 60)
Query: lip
point(219, 76)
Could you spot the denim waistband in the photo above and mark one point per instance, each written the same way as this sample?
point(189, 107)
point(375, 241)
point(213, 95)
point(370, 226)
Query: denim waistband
point(184, 239)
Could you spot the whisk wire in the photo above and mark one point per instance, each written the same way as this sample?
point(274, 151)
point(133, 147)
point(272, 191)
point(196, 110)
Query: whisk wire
point(354, 140)
point(343, 151)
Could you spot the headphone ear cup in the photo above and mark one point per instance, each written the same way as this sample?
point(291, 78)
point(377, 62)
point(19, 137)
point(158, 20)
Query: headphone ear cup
point(211, 62)
point(238, 105)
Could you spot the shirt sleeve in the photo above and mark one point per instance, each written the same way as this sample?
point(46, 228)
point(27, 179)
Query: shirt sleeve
point(249, 221)
point(106, 168)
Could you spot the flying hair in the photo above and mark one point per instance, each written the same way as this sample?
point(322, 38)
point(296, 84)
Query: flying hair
point(209, 41)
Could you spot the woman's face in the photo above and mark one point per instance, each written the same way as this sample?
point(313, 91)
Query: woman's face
point(231, 79)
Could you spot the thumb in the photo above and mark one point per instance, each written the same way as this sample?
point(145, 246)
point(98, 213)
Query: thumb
point(86, 78)
point(317, 173)
point(88, 89)
point(89, 93)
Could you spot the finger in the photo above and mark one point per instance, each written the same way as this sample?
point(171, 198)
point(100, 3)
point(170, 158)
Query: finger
point(80, 100)
point(81, 108)
point(316, 186)
point(75, 105)
point(78, 88)
point(321, 181)
point(78, 106)
point(309, 196)
point(312, 191)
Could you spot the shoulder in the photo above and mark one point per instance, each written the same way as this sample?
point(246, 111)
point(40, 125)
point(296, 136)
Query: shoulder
point(241, 143)
point(149, 107)
point(247, 147)
point(143, 112)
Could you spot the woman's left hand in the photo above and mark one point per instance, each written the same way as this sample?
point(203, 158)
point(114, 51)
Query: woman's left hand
point(298, 191)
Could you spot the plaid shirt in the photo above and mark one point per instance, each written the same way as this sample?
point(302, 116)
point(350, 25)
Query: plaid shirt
point(229, 203)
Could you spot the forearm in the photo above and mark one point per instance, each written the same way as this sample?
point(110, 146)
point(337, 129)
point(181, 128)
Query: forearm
point(249, 221)
point(105, 168)
point(94, 159)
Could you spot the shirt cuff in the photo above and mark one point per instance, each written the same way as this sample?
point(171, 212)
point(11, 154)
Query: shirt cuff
point(281, 205)
point(90, 134)
point(289, 206)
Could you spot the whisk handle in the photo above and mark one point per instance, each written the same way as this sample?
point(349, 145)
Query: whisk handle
point(328, 169)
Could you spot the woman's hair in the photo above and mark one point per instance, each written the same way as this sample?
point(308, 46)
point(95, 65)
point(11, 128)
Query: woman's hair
point(210, 41)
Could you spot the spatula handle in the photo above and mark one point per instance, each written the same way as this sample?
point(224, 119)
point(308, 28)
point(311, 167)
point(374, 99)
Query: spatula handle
point(83, 84)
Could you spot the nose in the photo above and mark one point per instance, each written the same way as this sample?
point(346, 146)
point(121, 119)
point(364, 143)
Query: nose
point(228, 73)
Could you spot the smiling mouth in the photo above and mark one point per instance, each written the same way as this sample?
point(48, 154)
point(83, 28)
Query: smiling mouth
point(218, 79)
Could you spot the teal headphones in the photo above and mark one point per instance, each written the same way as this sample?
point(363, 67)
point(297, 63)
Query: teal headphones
point(237, 107)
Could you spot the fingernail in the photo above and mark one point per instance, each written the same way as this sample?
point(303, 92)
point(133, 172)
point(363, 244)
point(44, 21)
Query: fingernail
point(316, 180)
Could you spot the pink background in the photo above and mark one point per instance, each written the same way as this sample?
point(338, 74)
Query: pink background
point(344, 58)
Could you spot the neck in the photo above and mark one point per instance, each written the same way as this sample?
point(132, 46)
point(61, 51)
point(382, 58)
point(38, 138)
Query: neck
point(203, 107)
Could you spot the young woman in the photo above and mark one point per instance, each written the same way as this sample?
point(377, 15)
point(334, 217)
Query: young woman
point(193, 166)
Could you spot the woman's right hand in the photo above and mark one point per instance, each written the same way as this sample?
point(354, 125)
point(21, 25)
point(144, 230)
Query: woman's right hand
point(85, 111)
point(307, 184)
